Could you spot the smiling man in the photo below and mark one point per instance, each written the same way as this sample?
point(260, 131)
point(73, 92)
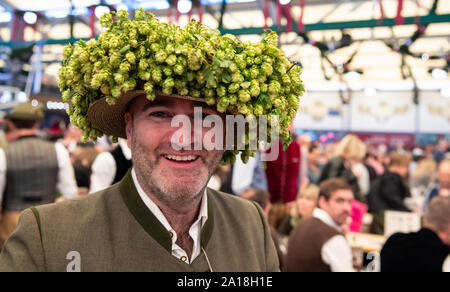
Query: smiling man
point(160, 217)
point(135, 82)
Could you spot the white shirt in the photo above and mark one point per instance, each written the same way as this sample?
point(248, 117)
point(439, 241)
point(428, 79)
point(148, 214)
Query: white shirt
point(194, 231)
point(65, 184)
point(104, 168)
point(336, 252)
point(242, 174)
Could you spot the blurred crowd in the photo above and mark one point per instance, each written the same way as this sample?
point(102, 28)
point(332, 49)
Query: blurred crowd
point(313, 194)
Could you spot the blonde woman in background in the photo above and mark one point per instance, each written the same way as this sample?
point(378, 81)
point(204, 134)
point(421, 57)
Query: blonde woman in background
point(305, 204)
point(347, 165)
point(424, 174)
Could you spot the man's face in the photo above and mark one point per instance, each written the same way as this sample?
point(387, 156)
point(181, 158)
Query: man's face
point(314, 156)
point(339, 206)
point(444, 175)
point(173, 177)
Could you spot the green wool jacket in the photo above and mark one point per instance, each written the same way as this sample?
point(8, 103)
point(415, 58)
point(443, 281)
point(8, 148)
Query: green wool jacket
point(113, 230)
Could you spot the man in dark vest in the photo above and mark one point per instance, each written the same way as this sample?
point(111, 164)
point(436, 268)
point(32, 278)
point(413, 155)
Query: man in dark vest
point(110, 167)
point(32, 170)
point(318, 244)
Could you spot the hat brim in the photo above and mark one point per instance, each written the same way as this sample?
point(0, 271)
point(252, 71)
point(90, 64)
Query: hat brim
point(110, 118)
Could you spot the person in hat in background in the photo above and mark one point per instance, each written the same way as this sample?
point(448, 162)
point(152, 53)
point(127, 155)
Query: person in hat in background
point(160, 216)
point(32, 170)
point(110, 167)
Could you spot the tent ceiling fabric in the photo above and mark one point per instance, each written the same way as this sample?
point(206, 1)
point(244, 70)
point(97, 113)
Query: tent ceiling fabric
point(380, 64)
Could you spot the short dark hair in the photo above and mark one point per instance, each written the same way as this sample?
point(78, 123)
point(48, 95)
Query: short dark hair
point(24, 124)
point(259, 196)
point(313, 147)
point(329, 186)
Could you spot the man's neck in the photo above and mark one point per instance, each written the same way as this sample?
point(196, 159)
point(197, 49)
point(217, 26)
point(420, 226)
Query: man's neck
point(22, 133)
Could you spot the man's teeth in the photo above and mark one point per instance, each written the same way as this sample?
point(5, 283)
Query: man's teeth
point(181, 158)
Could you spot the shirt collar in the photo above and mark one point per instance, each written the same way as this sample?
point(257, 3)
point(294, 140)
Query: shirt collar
point(125, 149)
point(201, 219)
point(326, 218)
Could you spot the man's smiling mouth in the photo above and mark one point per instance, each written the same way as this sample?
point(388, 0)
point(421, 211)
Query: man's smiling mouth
point(178, 158)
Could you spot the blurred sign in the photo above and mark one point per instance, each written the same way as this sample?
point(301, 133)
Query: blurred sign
point(434, 113)
point(383, 112)
point(376, 139)
point(320, 111)
point(404, 222)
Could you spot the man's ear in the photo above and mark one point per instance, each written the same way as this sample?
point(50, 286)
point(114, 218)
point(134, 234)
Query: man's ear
point(128, 127)
point(321, 202)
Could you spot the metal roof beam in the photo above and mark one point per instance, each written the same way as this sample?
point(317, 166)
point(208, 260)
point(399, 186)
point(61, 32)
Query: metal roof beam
point(370, 23)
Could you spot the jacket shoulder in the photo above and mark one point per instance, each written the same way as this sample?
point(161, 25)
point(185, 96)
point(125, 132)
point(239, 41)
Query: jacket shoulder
point(77, 211)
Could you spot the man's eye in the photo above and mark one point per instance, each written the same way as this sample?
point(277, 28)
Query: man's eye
point(159, 115)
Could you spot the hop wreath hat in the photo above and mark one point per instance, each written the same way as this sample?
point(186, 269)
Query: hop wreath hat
point(145, 56)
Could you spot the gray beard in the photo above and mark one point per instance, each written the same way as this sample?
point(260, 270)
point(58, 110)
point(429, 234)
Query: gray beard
point(174, 196)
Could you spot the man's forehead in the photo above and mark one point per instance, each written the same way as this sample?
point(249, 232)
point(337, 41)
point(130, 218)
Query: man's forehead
point(343, 193)
point(143, 104)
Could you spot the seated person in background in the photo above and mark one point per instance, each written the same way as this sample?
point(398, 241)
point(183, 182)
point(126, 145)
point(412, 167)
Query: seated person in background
point(442, 186)
point(317, 244)
point(305, 204)
point(262, 197)
point(389, 191)
point(422, 251)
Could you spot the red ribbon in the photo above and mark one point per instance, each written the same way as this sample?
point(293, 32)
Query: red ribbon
point(287, 14)
point(266, 13)
point(417, 18)
point(381, 11)
point(301, 25)
point(279, 14)
point(92, 21)
point(15, 27)
point(200, 11)
point(399, 19)
point(177, 17)
point(169, 14)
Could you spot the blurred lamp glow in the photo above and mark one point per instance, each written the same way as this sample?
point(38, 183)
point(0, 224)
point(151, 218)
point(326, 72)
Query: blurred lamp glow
point(30, 17)
point(370, 91)
point(60, 13)
point(100, 10)
point(353, 76)
point(122, 7)
point(439, 74)
point(21, 97)
point(5, 17)
point(445, 92)
point(184, 6)
point(285, 2)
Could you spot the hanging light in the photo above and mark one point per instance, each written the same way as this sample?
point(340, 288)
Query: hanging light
point(439, 73)
point(5, 16)
point(30, 17)
point(122, 6)
point(445, 92)
point(184, 6)
point(370, 91)
point(285, 2)
point(353, 76)
point(100, 10)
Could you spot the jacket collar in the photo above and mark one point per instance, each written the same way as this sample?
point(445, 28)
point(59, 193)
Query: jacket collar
point(150, 223)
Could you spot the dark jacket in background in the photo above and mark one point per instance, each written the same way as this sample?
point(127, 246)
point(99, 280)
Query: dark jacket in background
point(389, 193)
point(421, 251)
point(335, 168)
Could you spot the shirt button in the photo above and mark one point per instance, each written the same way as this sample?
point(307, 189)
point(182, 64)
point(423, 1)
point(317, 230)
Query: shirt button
point(183, 258)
